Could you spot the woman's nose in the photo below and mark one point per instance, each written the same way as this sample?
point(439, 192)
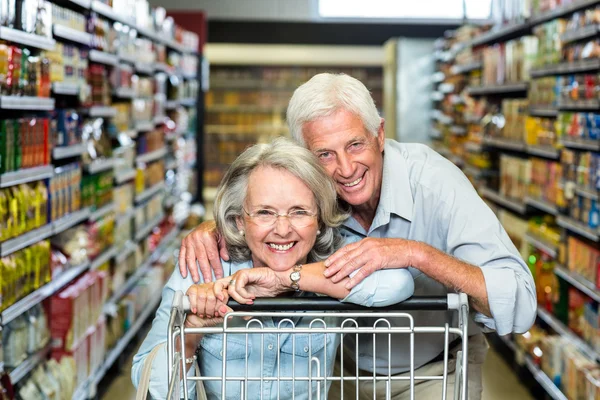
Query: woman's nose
point(282, 225)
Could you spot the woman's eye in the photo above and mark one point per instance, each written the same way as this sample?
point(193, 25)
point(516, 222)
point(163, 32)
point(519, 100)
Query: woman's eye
point(264, 212)
point(300, 213)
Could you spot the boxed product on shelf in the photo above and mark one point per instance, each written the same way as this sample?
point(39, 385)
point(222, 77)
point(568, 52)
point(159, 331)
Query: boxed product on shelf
point(25, 336)
point(103, 34)
point(121, 76)
point(574, 377)
point(99, 144)
point(98, 79)
point(509, 62)
point(148, 212)
point(514, 173)
point(150, 141)
point(141, 110)
point(545, 229)
point(549, 43)
point(97, 189)
point(578, 125)
point(23, 73)
point(516, 228)
point(64, 195)
point(541, 265)
point(23, 208)
point(545, 92)
point(584, 259)
point(541, 132)
point(101, 235)
point(545, 181)
point(72, 244)
point(152, 174)
point(24, 143)
point(69, 18)
point(65, 127)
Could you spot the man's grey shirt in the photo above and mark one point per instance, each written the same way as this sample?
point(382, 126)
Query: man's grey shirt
point(426, 198)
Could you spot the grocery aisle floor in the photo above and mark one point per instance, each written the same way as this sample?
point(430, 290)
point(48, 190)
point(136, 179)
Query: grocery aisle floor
point(499, 381)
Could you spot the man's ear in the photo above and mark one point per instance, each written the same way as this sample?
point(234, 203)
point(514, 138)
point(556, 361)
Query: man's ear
point(381, 135)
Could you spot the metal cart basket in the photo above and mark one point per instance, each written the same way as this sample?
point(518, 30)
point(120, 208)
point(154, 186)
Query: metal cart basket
point(315, 318)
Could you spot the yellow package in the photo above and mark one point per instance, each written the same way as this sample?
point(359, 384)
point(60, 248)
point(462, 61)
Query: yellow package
point(2, 285)
point(25, 269)
point(44, 262)
point(3, 215)
point(41, 202)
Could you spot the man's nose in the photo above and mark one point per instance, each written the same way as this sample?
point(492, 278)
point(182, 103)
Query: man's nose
point(345, 166)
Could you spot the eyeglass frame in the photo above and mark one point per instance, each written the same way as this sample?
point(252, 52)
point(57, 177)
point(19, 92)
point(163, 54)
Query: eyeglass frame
point(277, 216)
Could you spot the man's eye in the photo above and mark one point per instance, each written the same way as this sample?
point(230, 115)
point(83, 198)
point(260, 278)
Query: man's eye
point(325, 155)
point(356, 145)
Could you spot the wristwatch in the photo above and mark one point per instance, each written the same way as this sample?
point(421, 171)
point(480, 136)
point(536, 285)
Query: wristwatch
point(295, 277)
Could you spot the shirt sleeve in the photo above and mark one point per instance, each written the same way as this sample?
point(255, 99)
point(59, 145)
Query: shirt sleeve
point(474, 235)
point(381, 288)
point(157, 336)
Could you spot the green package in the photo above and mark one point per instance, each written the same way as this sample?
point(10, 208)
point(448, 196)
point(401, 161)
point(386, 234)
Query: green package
point(17, 145)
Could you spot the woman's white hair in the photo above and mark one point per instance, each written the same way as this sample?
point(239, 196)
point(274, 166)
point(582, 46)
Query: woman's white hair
point(325, 94)
point(285, 154)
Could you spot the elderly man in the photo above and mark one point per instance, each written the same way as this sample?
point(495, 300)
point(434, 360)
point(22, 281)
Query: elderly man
point(412, 209)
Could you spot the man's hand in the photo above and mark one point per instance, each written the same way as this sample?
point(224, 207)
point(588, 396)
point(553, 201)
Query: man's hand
point(206, 246)
point(249, 283)
point(367, 256)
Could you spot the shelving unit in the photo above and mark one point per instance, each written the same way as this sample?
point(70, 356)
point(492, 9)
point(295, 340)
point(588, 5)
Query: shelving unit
point(544, 157)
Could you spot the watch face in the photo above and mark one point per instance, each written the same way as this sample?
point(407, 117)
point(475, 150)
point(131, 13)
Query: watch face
point(295, 276)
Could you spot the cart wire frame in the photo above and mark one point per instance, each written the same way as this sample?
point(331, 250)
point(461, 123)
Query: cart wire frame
point(318, 308)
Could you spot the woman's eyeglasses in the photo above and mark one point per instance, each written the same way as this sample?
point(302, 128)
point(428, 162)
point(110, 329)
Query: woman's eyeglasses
point(297, 218)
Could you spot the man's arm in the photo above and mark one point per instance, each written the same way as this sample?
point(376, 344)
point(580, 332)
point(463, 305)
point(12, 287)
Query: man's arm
point(201, 252)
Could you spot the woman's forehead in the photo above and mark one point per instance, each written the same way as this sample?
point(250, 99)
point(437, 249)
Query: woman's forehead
point(277, 187)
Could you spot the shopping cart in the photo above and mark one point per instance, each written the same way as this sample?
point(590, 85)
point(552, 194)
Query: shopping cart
point(316, 377)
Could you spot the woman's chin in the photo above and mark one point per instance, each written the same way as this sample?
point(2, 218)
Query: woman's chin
point(283, 262)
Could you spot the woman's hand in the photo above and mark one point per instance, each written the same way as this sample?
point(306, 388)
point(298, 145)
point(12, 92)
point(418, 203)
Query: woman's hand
point(249, 283)
point(205, 305)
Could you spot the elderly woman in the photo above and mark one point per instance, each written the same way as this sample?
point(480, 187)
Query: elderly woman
point(276, 209)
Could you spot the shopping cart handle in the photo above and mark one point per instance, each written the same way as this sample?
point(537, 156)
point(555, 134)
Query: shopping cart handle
point(424, 303)
point(415, 303)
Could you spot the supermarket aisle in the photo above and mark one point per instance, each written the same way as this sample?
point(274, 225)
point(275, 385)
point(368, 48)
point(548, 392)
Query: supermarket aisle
point(499, 382)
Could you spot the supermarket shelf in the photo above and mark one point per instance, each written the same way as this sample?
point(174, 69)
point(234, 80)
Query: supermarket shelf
point(586, 192)
point(541, 244)
point(578, 281)
point(579, 34)
point(151, 191)
point(100, 165)
point(144, 126)
point(130, 213)
point(102, 57)
point(107, 255)
point(562, 11)
point(541, 205)
point(544, 151)
point(473, 147)
point(127, 58)
point(29, 103)
point(566, 68)
point(85, 4)
point(73, 35)
point(128, 248)
point(113, 354)
point(171, 104)
point(544, 381)
point(125, 176)
point(26, 175)
point(458, 130)
point(503, 34)
point(505, 144)
point(143, 232)
point(70, 220)
point(579, 105)
point(161, 67)
point(543, 112)
point(462, 69)
point(76, 150)
point(583, 144)
point(144, 68)
point(66, 89)
point(564, 331)
point(43, 293)
point(26, 39)
point(577, 227)
point(512, 205)
point(29, 364)
point(246, 108)
point(188, 102)
point(124, 93)
point(172, 164)
point(509, 88)
point(27, 239)
point(102, 212)
point(102, 112)
point(107, 11)
point(151, 156)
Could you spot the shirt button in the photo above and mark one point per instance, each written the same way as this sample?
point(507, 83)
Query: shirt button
point(270, 346)
point(221, 353)
point(306, 349)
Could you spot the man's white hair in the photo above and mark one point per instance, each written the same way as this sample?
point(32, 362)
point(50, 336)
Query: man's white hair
point(325, 94)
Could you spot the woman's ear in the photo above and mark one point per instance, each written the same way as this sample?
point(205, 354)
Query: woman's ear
point(239, 222)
